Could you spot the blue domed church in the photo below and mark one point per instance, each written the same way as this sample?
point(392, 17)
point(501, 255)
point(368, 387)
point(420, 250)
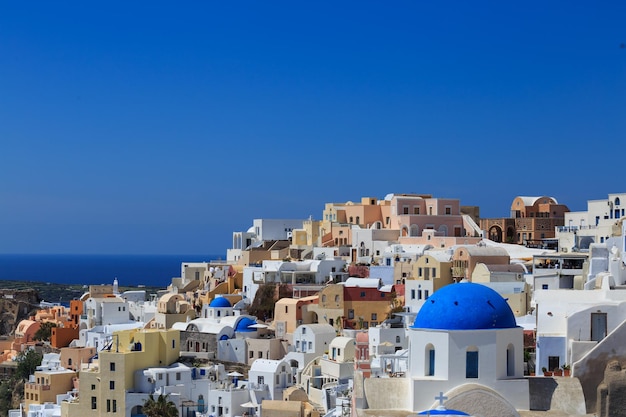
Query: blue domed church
point(465, 343)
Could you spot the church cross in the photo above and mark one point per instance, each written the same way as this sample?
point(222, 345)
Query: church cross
point(441, 398)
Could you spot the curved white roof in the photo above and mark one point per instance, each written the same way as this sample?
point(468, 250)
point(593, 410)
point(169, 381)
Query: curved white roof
point(110, 328)
point(517, 251)
point(362, 282)
point(266, 365)
point(342, 341)
point(318, 328)
point(529, 201)
point(208, 326)
point(439, 255)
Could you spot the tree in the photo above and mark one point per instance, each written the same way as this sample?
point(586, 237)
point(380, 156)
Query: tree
point(27, 363)
point(161, 407)
point(45, 331)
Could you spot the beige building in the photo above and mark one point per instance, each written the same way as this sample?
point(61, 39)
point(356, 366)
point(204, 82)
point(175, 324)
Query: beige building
point(431, 272)
point(289, 313)
point(73, 357)
point(356, 304)
point(172, 308)
point(509, 282)
point(265, 348)
point(104, 384)
point(46, 385)
point(465, 259)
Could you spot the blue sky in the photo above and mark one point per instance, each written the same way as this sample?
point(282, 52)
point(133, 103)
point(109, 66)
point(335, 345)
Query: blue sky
point(149, 127)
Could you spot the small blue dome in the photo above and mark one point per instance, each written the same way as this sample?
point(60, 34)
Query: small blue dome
point(465, 306)
point(220, 302)
point(244, 325)
point(442, 412)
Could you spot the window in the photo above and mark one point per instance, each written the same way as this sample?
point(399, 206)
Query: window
point(115, 406)
point(310, 345)
point(112, 366)
point(93, 387)
point(510, 360)
point(413, 294)
point(544, 286)
point(251, 355)
point(362, 294)
point(471, 364)
point(108, 406)
point(94, 404)
point(337, 298)
point(416, 210)
point(111, 384)
point(426, 294)
point(430, 360)
point(304, 330)
point(259, 354)
point(419, 272)
point(173, 343)
point(448, 210)
point(397, 339)
point(260, 379)
point(178, 376)
point(419, 294)
point(374, 316)
point(350, 314)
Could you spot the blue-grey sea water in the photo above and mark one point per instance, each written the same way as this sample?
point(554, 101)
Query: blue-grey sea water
point(130, 270)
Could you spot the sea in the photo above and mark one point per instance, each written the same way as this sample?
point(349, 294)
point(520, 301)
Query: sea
point(130, 270)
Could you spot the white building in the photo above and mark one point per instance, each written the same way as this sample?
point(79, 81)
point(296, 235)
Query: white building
point(465, 344)
point(310, 274)
point(262, 230)
point(271, 376)
point(582, 228)
point(104, 310)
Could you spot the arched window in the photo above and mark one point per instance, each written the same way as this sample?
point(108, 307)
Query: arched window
point(351, 219)
point(471, 362)
point(617, 201)
point(510, 360)
point(358, 220)
point(443, 229)
point(429, 368)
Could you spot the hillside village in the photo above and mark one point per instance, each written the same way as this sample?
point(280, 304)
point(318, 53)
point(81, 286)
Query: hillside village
point(384, 307)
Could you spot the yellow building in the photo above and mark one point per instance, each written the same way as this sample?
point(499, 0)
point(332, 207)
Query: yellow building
point(47, 385)
point(104, 384)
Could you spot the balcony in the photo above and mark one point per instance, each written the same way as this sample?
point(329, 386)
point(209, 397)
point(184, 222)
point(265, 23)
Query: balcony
point(36, 387)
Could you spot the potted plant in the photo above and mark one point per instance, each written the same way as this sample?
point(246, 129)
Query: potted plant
point(557, 372)
point(566, 370)
point(545, 371)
